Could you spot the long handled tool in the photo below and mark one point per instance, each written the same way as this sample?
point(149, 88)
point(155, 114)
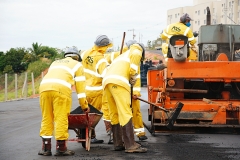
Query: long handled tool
point(174, 115)
point(124, 34)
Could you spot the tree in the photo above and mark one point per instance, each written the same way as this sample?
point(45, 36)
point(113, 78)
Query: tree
point(2, 61)
point(36, 50)
point(8, 69)
point(14, 57)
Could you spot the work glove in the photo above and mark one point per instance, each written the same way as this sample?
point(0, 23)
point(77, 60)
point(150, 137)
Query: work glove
point(133, 79)
point(195, 34)
point(87, 110)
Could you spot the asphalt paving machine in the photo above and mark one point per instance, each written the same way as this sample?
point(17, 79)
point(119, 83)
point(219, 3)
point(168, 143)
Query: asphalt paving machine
point(208, 89)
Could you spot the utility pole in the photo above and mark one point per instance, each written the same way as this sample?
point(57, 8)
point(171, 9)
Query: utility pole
point(133, 32)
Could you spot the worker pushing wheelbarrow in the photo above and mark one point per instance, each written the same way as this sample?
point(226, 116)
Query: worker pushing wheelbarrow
point(83, 123)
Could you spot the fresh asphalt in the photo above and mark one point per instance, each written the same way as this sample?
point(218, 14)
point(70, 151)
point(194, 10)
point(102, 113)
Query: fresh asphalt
point(19, 139)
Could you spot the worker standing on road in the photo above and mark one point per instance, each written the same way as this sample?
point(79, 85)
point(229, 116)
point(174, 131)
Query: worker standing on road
point(55, 100)
point(95, 66)
point(179, 28)
point(120, 73)
point(105, 109)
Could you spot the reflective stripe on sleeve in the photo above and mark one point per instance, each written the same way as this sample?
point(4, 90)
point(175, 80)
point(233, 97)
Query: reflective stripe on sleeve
point(112, 56)
point(91, 72)
point(134, 66)
point(190, 39)
point(80, 78)
point(75, 68)
point(81, 95)
point(137, 89)
point(100, 62)
point(186, 31)
point(94, 88)
point(52, 80)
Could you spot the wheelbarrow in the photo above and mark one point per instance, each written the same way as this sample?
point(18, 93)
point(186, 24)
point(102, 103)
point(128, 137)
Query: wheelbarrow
point(83, 124)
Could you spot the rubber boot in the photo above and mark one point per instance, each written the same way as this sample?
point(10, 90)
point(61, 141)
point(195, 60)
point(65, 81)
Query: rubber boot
point(117, 137)
point(142, 136)
point(107, 126)
point(61, 149)
point(128, 137)
point(94, 140)
point(46, 147)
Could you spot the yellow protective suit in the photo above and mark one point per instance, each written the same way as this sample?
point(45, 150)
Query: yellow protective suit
point(137, 115)
point(109, 57)
point(55, 96)
point(117, 87)
point(177, 29)
point(95, 66)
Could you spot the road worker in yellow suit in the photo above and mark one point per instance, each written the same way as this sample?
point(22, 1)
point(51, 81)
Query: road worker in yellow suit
point(122, 71)
point(95, 66)
point(56, 100)
point(180, 28)
point(109, 57)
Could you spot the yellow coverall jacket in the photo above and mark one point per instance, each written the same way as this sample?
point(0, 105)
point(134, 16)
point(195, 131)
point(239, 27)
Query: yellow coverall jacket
point(95, 66)
point(55, 96)
point(178, 29)
point(117, 87)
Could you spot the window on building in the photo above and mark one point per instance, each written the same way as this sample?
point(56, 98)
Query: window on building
point(238, 2)
point(175, 15)
point(229, 4)
point(195, 22)
point(198, 22)
point(204, 11)
point(204, 21)
point(198, 12)
point(213, 10)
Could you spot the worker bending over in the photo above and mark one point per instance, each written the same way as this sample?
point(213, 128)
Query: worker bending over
point(55, 100)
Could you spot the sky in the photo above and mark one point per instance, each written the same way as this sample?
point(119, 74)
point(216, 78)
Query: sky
point(62, 23)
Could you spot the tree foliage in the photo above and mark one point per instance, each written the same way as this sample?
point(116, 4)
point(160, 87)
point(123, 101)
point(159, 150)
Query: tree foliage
point(16, 60)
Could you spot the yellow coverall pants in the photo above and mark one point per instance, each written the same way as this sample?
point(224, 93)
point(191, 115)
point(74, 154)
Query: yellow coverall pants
point(95, 98)
point(105, 108)
point(55, 108)
point(119, 104)
point(137, 119)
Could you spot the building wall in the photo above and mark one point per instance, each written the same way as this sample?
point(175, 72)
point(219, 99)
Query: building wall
point(222, 11)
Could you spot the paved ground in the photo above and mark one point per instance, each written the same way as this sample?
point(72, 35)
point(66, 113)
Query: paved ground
point(19, 139)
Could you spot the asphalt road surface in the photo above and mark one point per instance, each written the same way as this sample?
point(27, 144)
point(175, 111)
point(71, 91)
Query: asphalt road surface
point(19, 139)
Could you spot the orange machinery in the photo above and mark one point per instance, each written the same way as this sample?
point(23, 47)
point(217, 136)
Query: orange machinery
point(208, 88)
point(210, 92)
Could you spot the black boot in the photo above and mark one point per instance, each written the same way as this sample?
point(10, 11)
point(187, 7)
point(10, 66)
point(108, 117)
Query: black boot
point(61, 149)
point(46, 147)
point(128, 137)
point(117, 137)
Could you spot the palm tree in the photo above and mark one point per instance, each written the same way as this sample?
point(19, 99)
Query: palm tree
point(36, 49)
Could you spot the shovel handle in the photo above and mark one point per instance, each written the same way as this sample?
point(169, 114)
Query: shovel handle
point(153, 104)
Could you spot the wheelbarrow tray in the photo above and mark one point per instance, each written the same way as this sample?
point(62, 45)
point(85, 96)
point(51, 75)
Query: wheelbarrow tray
point(83, 124)
point(80, 121)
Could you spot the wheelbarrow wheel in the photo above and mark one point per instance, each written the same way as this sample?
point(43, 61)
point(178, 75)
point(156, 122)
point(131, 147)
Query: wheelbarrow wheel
point(83, 136)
